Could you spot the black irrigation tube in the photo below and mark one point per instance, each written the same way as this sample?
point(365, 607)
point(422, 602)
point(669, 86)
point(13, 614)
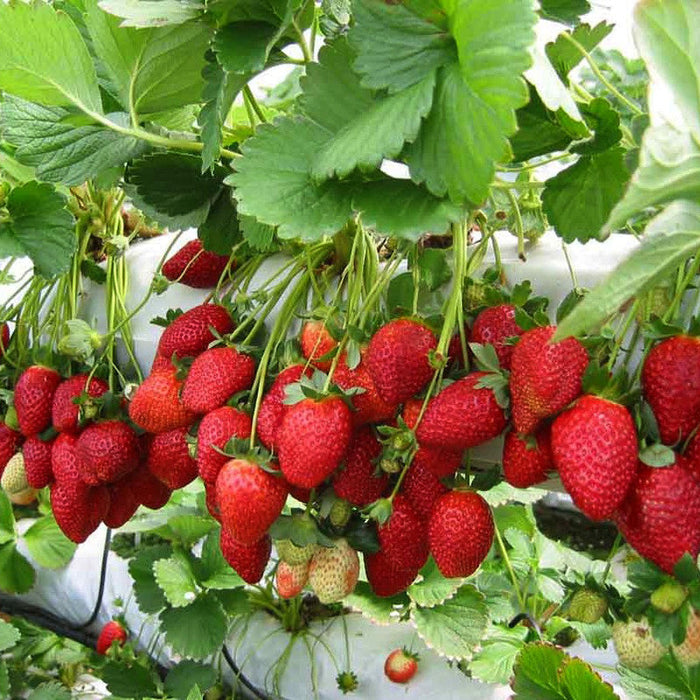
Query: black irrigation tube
point(238, 674)
point(103, 579)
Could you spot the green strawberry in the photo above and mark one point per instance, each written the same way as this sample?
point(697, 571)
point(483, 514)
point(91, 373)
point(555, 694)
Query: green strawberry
point(587, 606)
point(292, 554)
point(669, 597)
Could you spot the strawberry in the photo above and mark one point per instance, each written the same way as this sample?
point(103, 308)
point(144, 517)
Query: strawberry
point(635, 645)
point(152, 493)
point(37, 462)
point(444, 424)
point(527, 459)
point(671, 386)
point(65, 465)
point(65, 412)
point(460, 533)
point(692, 454)
point(111, 632)
point(250, 499)
point(422, 488)
point(290, 579)
point(369, 407)
point(10, 442)
point(660, 517)
point(313, 439)
point(493, 326)
point(688, 652)
point(398, 359)
point(594, 447)
point(195, 267)
point(215, 376)
point(210, 501)
point(123, 502)
point(440, 461)
point(33, 396)
point(156, 406)
point(316, 342)
point(107, 452)
point(14, 482)
point(248, 561)
point(273, 407)
point(190, 334)
point(161, 362)
point(401, 665)
point(357, 481)
point(78, 508)
point(385, 578)
point(545, 377)
point(403, 537)
point(293, 554)
point(4, 338)
point(333, 572)
point(167, 457)
point(215, 430)
point(587, 606)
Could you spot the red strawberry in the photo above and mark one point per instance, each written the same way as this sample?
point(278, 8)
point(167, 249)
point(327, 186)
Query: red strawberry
point(594, 447)
point(152, 493)
point(460, 533)
point(190, 334)
point(10, 442)
point(385, 578)
point(403, 537)
point(64, 411)
point(316, 342)
point(400, 666)
point(461, 416)
point(161, 362)
point(248, 561)
point(692, 454)
point(290, 579)
point(215, 376)
point(398, 359)
point(493, 326)
point(440, 461)
point(215, 430)
point(33, 396)
point(212, 505)
point(123, 502)
point(37, 462)
point(4, 338)
point(313, 439)
point(422, 488)
point(250, 499)
point(167, 457)
point(194, 266)
point(660, 517)
point(527, 459)
point(273, 407)
point(156, 405)
point(65, 465)
point(545, 377)
point(369, 405)
point(111, 632)
point(671, 386)
point(301, 494)
point(357, 482)
point(78, 508)
point(107, 451)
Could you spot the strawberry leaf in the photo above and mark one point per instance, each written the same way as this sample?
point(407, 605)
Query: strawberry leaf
point(200, 640)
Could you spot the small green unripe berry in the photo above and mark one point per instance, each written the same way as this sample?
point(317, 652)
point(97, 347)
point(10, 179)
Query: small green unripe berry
point(669, 597)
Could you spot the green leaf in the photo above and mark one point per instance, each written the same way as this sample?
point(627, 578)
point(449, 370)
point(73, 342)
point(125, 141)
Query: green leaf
point(44, 59)
point(9, 635)
point(605, 121)
point(504, 492)
point(153, 69)
point(432, 588)
point(216, 573)
point(171, 188)
point(597, 634)
point(187, 529)
point(187, 674)
point(565, 56)
point(243, 47)
point(259, 236)
point(50, 691)
point(434, 268)
point(129, 682)
point(494, 662)
point(4, 679)
point(580, 682)
point(273, 181)
point(16, 573)
point(47, 544)
point(454, 627)
point(149, 596)
point(152, 13)
point(537, 673)
point(379, 610)
point(396, 48)
point(7, 518)
point(671, 238)
point(566, 11)
point(202, 639)
point(220, 231)
point(455, 155)
point(60, 151)
point(668, 680)
point(39, 226)
point(578, 200)
point(174, 577)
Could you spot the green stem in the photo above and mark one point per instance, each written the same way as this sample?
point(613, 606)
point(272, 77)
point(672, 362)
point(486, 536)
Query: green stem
point(622, 332)
point(532, 165)
point(519, 228)
point(308, 58)
point(248, 94)
point(613, 551)
point(509, 567)
point(506, 185)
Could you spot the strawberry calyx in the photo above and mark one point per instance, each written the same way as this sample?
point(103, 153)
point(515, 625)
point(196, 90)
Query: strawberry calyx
point(300, 528)
point(380, 511)
point(317, 388)
point(347, 681)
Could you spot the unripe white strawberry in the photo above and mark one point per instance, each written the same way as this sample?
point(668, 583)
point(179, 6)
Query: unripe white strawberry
point(333, 572)
point(14, 482)
point(635, 645)
point(291, 579)
point(688, 652)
